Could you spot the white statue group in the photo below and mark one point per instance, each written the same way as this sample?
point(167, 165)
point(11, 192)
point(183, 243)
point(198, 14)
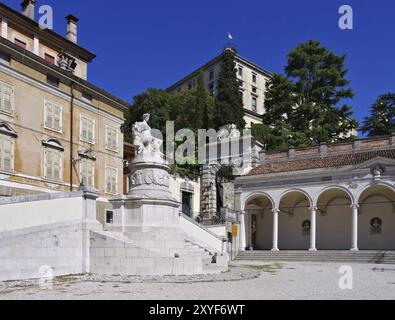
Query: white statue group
point(143, 138)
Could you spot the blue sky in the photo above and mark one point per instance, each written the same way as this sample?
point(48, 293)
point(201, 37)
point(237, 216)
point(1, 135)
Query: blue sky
point(154, 43)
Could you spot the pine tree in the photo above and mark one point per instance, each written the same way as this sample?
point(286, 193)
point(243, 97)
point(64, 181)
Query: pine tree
point(228, 102)
point(302, 108)
point(382, 116)
point(156, 102)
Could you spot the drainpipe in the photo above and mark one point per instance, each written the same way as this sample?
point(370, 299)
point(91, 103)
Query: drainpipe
point(71, 133)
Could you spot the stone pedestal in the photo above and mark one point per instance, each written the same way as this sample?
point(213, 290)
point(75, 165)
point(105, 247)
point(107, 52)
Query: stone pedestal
point(149, 215)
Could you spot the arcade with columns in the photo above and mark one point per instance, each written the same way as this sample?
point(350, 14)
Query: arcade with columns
point(327, 197)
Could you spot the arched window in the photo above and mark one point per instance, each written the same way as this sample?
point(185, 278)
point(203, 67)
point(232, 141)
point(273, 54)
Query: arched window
point(53, 159)
point(87, 167)
point(7, 142)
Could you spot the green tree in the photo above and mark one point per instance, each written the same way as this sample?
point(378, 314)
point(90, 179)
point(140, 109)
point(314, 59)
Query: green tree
point(382, 116)
point(228, 102)
point(156, 102)
point(205, 105)
point(304, 107)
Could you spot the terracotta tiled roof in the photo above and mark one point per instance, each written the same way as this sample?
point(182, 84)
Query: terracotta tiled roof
point(324, 162)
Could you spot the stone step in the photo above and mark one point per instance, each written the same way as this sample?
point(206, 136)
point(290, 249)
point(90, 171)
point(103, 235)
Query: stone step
point(385, 257)
point(116, 236)
point(316, 255)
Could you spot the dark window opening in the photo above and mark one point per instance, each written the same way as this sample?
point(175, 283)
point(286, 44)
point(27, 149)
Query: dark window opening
point(86, 96)
point(187, 203)
point(49, 58)
point(109, 217)
point(4, 57)
point(53, 80)
point(20, 43)
point(211, 89)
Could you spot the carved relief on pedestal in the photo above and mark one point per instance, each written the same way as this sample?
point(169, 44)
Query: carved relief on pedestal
point(150, 177)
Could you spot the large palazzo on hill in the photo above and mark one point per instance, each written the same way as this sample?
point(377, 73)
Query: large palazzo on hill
point(327, 197)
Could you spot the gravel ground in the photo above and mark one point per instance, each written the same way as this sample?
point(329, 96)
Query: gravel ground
point(245, 280)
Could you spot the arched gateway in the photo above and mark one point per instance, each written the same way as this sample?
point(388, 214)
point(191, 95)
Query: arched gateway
point(328, 197)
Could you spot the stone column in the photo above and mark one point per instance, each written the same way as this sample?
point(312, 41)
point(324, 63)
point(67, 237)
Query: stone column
point(313, 228)
point(354, 228)
point(242, 231)
point(208, 199)
point(89, 222)
point(275, 230)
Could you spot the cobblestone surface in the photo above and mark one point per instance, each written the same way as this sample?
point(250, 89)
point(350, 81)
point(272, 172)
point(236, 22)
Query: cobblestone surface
point(246, 280)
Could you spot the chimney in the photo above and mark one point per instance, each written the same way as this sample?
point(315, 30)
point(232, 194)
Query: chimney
point(72, 34)
point(28, 8)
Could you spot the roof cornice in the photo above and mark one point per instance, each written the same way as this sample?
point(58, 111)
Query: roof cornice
point(30, 59)
point(213, 62)
point(32, 27)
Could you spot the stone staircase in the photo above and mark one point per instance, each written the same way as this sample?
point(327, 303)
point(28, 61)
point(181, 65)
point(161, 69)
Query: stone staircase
point(379, 257)
point(191, 249)
point(209, 257)
point(116, 236)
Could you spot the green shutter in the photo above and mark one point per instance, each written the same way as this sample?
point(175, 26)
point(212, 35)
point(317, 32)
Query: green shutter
point(6, 97)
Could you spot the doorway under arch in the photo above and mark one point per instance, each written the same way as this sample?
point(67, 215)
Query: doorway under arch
point(376, 220)
point(259, 222)
point(334, 220)
point(294, 221)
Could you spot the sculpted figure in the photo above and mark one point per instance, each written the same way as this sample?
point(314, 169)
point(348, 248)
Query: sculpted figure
point(228, 131)
point(142, 137)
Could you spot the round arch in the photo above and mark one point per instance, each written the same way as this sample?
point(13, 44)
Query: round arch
point(334, 218)
point(295, 190)
point(376, 219)
point(258, 220)
point(334, 187)
point(370, 186)
point(294, 220)
point(256, 195)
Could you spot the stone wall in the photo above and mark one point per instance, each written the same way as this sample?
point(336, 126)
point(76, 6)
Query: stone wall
point(111, 255)
point(25, 253)
point(37, 210)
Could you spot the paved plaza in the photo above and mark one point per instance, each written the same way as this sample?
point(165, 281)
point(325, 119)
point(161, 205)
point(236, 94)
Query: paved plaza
point(246, 280)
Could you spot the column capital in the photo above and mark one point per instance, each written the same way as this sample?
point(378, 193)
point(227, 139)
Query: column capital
point(313, 208)
point(275, 211)
point(354, 206)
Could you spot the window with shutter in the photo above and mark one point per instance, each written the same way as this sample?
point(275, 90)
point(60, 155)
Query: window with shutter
point(48, 173)
point(6, 154)
point(53, 165)
point(87, 130)
point(53, 116)
point(7, 98)
point(111, 138)
point(87, 169)
point(111, 180)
